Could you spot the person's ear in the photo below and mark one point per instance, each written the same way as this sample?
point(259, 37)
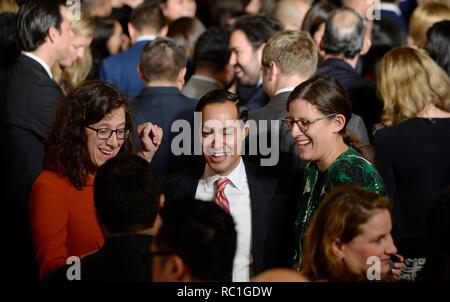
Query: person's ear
point(53, 34)
point(274, 71)
point(140, 72)
point(339, 121)
point(337, 248)
point(366, 45)
point(164, 30)
point(259, 51)
point(181, 76)
point(132, 32)
point(177, 269)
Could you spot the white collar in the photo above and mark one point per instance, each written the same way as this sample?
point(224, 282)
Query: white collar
point(40, 61)
point(207, 79)
point(260, 81)
point(237, 176)
point(390, 7)
point(287, 89)
point(145, 38)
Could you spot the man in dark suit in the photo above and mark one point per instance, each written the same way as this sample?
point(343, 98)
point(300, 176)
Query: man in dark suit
point(260, 205)
point(247, 40)
point(30, 98)
point(289, 58)
point(212, 70)
point(163, 66)
point(146, 23)
point(343, 42)
point(127, 196)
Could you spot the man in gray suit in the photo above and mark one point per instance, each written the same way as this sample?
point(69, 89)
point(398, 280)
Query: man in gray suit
point(212, 70)
point(289, 58)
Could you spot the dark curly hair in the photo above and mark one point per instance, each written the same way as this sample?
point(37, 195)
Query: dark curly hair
point(65, 151)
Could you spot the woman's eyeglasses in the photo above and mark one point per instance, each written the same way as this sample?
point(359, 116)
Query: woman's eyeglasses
point(303, 125)
point(106, 133)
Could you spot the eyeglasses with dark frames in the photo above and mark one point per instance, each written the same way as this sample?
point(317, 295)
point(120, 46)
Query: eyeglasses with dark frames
point(106, 133)
point(302, 124)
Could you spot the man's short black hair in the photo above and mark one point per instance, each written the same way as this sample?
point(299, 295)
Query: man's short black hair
point(35, 19)
point(257, 28)
point(202, 234)
point(220, 96)
point(126, 194)
point(344, 33)
point(211, 49)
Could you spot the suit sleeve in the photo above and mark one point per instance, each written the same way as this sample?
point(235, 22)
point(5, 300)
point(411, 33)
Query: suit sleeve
point(48, 210)
point(384, 160)
point(357, 126)
point(106, 73)
point(45, 99)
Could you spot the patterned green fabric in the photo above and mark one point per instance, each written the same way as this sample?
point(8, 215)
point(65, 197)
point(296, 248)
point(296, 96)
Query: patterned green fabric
point(349, 168)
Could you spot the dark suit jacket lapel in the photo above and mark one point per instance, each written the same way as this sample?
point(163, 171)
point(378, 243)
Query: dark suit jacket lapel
point(261, 194)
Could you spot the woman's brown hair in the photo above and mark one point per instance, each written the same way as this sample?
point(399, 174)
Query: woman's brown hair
point(328, 96)
point(339, 216)
point(65, 151)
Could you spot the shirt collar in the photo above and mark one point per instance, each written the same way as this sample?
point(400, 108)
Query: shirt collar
point(236, 177)
point(287, 89)
point(40, 61)
point(146, 38)
point(390, 7)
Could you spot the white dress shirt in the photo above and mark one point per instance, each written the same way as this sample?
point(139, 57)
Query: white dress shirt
point(40, 61)
point(238, 195)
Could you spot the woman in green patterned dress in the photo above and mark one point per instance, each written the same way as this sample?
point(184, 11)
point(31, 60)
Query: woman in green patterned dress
point(318, 114)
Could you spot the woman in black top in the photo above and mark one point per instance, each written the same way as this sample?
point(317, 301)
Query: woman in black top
point(413, 148)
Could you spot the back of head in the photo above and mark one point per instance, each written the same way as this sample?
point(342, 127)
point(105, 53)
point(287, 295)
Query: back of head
point(423, 17)
point(211, 50)
point(339, 216)
point(9, 6)
point(35, 19)
point(344, 34)
point(185, 32)
point(438, 45)
point(258, 29)
point(9, 51)
point(318, 14)
point(162, 60)
point(291, 13)
point(147, 18)
point(294, 52)
point(223, 13)
point(219, 96)
point(126, 195)
point(202, 235)
point(97, 8)
point(408, 81)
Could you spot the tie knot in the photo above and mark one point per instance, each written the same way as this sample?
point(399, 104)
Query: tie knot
point(221, 183)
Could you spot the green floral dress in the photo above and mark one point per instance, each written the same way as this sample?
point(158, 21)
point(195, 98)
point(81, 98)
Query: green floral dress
point(349, 168)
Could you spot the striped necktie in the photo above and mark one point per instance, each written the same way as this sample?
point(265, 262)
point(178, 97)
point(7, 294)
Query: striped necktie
point(220, 198)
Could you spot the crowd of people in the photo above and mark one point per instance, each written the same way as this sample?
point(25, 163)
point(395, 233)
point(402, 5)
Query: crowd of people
point(244, 140)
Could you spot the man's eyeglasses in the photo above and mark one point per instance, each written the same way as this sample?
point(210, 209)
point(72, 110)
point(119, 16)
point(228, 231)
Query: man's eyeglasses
point(105, 133)
point(303, 125)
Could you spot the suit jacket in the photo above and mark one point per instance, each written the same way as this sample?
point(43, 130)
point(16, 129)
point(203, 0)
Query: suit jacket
point(121, 70)
point(195, 88)
point(289, 162)
point(258, 99)
point(121, 259)
point(162, 106)
point(272, 208)
point(29, 100)
point(362, 93)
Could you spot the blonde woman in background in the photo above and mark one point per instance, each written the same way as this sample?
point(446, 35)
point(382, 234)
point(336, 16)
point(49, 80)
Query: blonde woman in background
point(74, 70)
point(423, 17)
point(9, 6)
point(412, 150)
